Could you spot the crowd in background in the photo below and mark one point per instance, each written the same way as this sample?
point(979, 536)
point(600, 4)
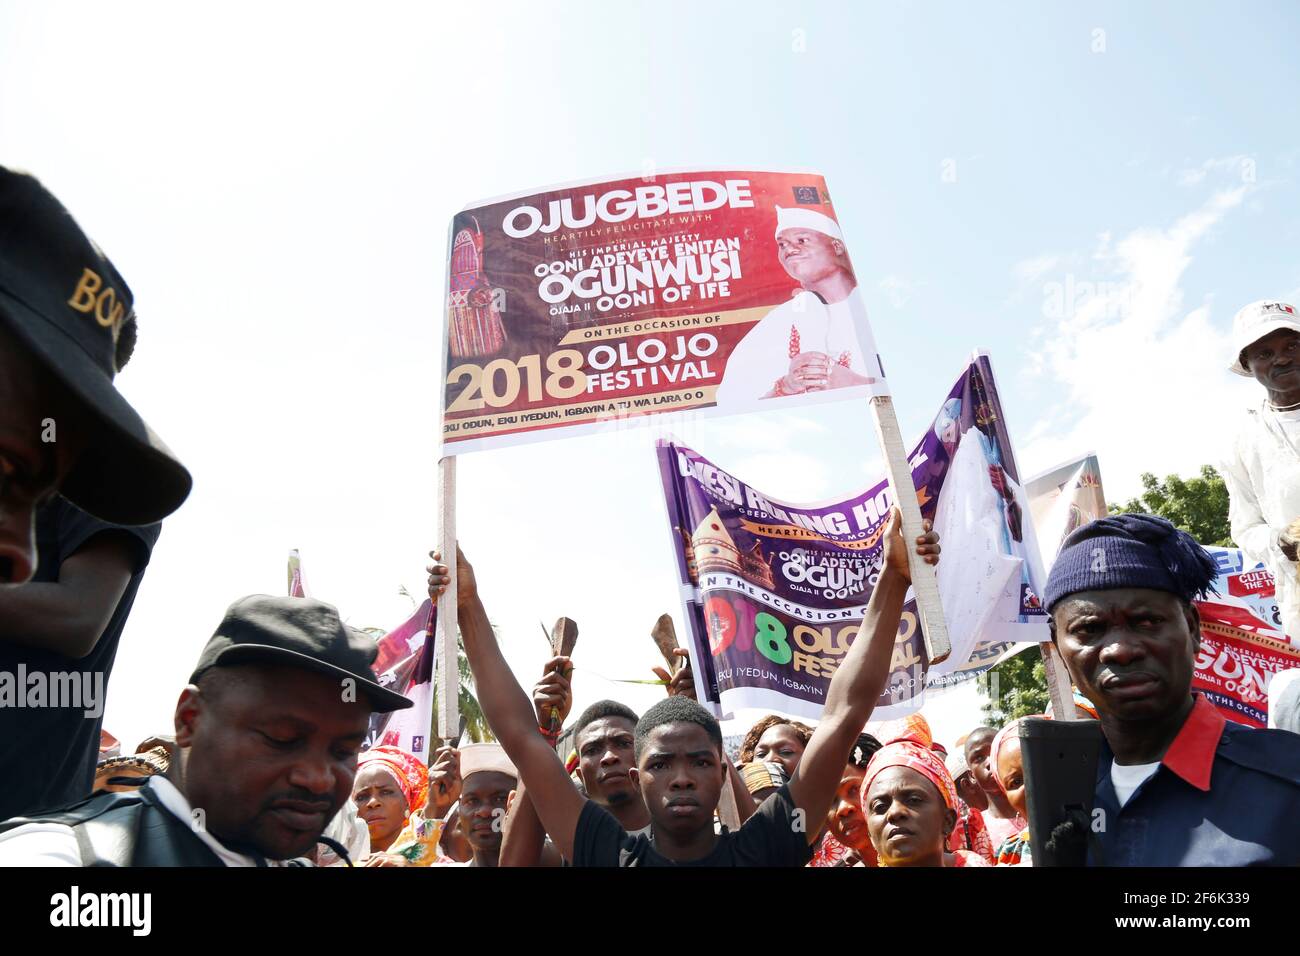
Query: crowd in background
point(264, 761)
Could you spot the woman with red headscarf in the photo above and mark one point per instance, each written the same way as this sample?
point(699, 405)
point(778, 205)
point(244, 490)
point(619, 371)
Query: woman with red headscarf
point(910, 802)
point(390, 789)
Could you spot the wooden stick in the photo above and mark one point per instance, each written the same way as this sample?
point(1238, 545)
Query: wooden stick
point(924, 584)
point(564, 638)
point(445, 723)
point(665, 638)
point(728, 812)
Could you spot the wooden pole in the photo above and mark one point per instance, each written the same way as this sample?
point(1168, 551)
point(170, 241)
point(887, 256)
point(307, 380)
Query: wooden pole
point(445, 723)
point(1058, 683)
point(924, 584)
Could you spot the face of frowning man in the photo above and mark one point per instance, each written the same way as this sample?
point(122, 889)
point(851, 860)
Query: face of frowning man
point(31, 470)
point(484, 797)
point(907, 818)
point(977, 758)
point(781, 744)
point(1131, 651)
point(272, 752)
point(809, 256)
point(846, 820)
point(1011, 772)
point(680, 774)
point(1275, 360)
point(606, 749)
point(380, 804)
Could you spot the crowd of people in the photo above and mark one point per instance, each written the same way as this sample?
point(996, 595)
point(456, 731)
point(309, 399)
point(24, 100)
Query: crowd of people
point(264, 763)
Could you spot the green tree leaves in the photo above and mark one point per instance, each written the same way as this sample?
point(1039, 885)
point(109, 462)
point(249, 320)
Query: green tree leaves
point(1197, 505)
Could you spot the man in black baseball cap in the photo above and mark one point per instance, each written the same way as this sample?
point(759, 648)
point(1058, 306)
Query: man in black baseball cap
point(63, 426)
point(268, 732)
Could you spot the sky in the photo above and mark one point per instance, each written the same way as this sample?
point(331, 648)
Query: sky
point(1087, 192)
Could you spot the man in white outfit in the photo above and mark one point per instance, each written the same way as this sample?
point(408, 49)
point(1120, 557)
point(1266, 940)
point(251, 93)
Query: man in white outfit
point(818, 340)
point(1263, 473)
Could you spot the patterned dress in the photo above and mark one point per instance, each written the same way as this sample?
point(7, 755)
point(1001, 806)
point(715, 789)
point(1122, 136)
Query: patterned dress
point(831, 852)
point(1014, 850)
point(971, 833)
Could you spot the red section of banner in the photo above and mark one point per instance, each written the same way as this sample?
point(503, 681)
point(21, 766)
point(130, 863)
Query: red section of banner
point(1233, 667)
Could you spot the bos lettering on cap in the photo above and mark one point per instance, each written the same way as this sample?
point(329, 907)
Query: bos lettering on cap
point(93, 296)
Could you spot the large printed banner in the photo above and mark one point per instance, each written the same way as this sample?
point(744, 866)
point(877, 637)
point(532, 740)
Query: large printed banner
point(1060, 500)
point(774, 592)
point(726, 291)
point(1063, 499)
point(1242, 645)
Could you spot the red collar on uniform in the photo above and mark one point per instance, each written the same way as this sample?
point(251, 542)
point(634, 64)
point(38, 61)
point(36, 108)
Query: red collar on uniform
point(1191, 755)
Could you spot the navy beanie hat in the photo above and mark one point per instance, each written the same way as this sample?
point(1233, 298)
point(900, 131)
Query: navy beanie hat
point(1130, 551)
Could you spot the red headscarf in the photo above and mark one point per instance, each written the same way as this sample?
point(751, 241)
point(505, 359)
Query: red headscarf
point(908, 753)
point(411, 775)
point(913, 727)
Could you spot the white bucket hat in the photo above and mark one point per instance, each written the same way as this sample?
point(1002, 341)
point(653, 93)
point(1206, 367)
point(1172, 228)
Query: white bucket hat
point(1254, 322)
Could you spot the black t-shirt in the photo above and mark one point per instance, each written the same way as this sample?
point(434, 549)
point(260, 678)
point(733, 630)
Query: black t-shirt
point(48, 754)
point(768, 838)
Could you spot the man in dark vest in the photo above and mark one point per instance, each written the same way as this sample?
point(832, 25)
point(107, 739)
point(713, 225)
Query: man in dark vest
point(268, 730)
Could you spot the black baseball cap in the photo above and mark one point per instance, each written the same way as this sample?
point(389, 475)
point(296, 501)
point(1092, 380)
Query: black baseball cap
point(297, 632)
point(64, 300)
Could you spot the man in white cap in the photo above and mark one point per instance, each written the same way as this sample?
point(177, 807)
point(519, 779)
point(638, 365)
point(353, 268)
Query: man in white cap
point(818, 340)
point(488, 778)
point(1263, 472)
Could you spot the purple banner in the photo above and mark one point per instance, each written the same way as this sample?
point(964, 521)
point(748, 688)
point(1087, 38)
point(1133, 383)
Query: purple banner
point(775, 591)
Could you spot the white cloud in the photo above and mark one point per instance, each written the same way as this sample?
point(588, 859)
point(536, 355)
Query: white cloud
point(896, 289)
point(1031, 270)
point(1240, 166)
point(1139, 375)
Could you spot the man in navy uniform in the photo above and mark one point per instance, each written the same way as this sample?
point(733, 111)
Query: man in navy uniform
point(1177, 784)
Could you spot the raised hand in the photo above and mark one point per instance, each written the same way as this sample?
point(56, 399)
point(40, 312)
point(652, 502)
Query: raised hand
point(554, 692)
point(444, 782)
point(895, 549)
point(683, 681)
point(466, 586)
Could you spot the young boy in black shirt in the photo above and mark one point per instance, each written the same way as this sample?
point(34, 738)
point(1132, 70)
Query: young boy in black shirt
point(678, 745)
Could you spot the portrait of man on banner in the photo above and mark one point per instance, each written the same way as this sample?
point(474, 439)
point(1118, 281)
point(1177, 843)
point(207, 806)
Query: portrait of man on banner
point(820, 338)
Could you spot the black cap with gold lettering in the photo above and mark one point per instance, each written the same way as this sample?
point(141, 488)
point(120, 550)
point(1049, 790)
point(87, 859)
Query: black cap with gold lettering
point(67, 303)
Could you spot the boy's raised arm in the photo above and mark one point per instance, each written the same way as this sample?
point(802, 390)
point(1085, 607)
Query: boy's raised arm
point(508, 710)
